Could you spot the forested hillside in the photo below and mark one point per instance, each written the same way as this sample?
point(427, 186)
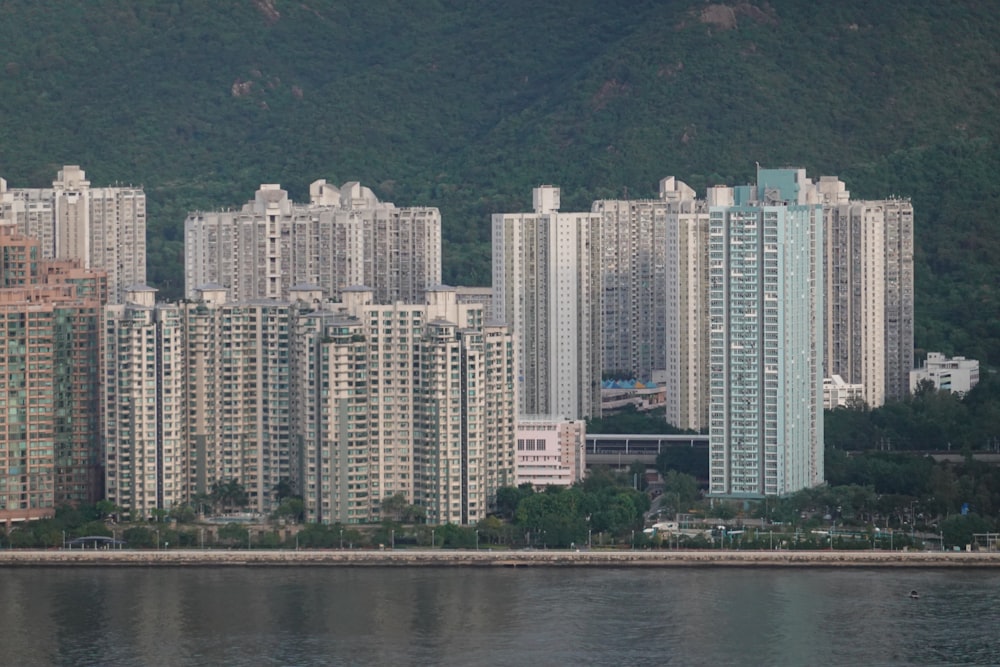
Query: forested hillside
point(467, 105)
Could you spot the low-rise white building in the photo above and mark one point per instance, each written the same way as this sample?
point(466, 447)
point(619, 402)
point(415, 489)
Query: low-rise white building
point(840, 394)
point(957, 375)
point(550, 451)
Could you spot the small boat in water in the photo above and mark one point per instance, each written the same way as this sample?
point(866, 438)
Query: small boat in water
point(914, 595)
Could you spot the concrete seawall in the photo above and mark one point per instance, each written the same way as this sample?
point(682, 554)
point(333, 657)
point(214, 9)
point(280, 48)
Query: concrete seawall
point(485, 558)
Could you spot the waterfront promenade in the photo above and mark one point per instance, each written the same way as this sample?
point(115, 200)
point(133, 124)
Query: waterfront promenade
point(486, 558)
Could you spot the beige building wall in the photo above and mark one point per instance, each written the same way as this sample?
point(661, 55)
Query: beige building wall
point(331, 420)
point(868, 269)
point(546, 283)
point(143, 399)
point(687, 318)
point(634, 271)
point(237, 366)
point(196, 394)
point(343, 237)
point(102, 228)
point(420, 400)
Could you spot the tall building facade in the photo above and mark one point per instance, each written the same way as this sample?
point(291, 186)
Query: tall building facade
point(49, 377)
point(766, 343)
point(410, 399)
point(633, 288)
point(196, 394)
point(654, 295)
point(143, 396)
point(102, 228)
point(868, 269)
point(546, 286)
point(687, 313)
point(350, 403)
point(343, 237)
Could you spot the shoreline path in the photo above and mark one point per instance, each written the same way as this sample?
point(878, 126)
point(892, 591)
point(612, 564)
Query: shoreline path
point(499, 558)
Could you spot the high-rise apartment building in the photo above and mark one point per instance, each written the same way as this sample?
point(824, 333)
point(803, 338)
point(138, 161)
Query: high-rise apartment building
point(687, 314)
point(766, 342)
point(196, 394)
point(343, 237)
point(410, 399)
point(237, 361)
point(654, 295)
point(868, 269)
point(633, 288)
point(546, 286)
point(144, 405)
point(103, 228)
point(50, 315)
point(350, 403)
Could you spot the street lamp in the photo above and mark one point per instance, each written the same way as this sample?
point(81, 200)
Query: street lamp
point(432, 538)
point(341, 539)
point(477, 540)
point(392, 538)
point(157, 538)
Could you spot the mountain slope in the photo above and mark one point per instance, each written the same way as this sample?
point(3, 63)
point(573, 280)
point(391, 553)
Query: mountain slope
point(466, 106)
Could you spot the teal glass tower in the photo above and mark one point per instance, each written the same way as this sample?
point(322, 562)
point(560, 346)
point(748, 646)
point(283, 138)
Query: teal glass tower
point(765, 341)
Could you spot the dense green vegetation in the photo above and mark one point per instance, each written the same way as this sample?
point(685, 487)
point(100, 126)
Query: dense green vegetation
point(604, 505)
point(928, 420)
point(630, 420)
point(466, 106)
point(900, 492)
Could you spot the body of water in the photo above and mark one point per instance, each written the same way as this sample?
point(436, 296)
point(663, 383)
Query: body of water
point(487, 616)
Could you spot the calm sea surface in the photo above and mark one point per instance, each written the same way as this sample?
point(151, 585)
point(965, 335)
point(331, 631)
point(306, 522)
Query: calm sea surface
point(461, 616)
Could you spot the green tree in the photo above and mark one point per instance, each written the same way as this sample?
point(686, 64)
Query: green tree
point(959, 530)
point(509, 497)
point(319, 536)
point(107, 509)
point(230, 495)
point(92, 528)
point(680, 490)
point(183, 513)
point(139, 537)
point(687, 460)
point(233, 534)
point(394, 506)
point(290, 509)
point(283, 489)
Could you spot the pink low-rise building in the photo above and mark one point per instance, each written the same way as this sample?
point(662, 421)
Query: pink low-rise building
point(550, 451)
